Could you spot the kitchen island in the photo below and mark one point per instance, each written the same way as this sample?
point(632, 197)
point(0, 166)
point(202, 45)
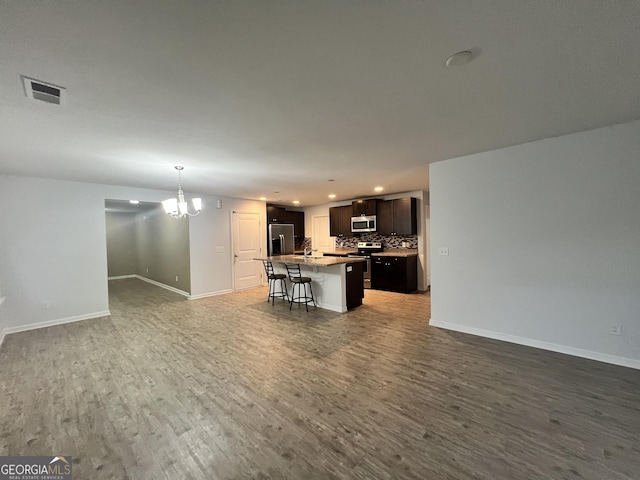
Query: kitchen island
point(337, 282)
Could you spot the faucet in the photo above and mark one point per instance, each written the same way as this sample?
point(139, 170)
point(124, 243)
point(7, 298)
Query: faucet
point(309, 251)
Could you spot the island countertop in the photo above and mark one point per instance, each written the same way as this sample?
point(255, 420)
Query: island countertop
point(397, 252)
point(312, 260)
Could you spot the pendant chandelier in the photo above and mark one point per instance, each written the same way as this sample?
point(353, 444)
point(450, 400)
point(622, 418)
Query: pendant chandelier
point(178, 207)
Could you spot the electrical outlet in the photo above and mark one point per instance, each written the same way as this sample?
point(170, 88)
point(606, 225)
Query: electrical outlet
point(147, 270)
point(615, 329)
point(176, 278)
point(444, 251)
point(46, 304)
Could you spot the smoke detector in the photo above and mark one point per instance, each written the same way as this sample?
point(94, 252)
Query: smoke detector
point(459, 59)
point(46, 92)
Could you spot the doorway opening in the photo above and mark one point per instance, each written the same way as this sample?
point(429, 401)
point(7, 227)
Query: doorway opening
point(143, 242)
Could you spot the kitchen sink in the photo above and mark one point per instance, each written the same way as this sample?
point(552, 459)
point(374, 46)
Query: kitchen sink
point(302, 257)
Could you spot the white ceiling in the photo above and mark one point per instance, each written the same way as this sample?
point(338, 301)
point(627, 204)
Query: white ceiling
point(255, 97)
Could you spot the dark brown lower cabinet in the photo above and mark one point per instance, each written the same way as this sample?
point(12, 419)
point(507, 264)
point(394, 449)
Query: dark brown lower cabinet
point(355, 284)
point(397, 274)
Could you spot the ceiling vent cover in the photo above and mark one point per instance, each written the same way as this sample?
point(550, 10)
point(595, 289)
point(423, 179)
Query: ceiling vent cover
point(47, 92)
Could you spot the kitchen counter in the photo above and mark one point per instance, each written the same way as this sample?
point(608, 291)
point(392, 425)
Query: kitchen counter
point(397, 252)
point(342, 252)
point(331, 278)
point(312, 260)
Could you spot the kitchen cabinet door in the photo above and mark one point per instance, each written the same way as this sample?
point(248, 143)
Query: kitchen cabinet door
point(340, 221)
point(364, 207)
point(297, 219)
point(385, 217)
point(346, 220)
point(405, 216)
point(276, 214)
point(398, 217)
point(380, 277)
point(355, 284)
point(335, 221)
point(397, 274)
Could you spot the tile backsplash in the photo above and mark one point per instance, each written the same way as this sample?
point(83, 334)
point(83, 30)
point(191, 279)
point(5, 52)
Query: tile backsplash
point(352, 242)
point(302, 243)
point(411, 241)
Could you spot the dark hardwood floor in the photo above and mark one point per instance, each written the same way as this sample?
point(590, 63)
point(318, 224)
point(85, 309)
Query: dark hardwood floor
point(230, 387)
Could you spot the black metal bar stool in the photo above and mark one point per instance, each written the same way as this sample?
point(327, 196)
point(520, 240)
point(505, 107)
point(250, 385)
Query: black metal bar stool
point(297, 280)
point(273, 277)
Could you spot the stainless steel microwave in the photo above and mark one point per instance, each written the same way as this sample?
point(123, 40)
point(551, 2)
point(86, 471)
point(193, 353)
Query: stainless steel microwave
point(363, 224)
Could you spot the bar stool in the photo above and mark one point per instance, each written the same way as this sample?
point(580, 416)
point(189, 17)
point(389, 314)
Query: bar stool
point(298, 280)
point(273, 277)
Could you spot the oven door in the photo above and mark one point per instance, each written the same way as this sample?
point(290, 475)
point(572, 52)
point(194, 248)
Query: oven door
point(367, 268)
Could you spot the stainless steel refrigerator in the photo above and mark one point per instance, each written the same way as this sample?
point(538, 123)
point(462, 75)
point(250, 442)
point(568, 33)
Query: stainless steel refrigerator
point(281, 241)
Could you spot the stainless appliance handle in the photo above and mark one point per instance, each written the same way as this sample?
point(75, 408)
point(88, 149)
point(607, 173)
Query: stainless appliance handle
point(281, 244)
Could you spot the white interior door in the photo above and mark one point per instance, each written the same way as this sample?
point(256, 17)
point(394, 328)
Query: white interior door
point(247, 242)
point(320, 238)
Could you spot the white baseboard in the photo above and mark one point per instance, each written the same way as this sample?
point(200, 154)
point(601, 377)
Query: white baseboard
point(209, 294)
point(58, 321)
point(173, 289)
point(162, 285)
point(554, 347)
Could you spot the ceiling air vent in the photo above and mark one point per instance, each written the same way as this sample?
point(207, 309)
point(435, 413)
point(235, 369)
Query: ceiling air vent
point(38, 90)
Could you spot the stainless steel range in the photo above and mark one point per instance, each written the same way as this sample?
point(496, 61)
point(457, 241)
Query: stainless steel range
point(365, 249)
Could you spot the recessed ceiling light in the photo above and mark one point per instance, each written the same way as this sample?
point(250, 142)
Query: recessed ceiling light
point(276, 192)
point(378, 189)
point(331, 180)
point(263, 198)
point(458, 59)
point(134, 202)
point(296, 201)
point(332, 195)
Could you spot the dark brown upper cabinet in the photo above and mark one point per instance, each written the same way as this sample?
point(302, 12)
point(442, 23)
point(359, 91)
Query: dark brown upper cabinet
point(398, 217)
point(276, 214)
point(364, 207)
point(297, 218)
point(340, 221)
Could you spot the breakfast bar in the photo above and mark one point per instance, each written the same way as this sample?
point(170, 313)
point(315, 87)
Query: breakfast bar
point(337, 282)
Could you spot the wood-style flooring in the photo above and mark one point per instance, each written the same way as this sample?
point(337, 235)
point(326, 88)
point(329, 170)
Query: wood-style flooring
point(230, 387)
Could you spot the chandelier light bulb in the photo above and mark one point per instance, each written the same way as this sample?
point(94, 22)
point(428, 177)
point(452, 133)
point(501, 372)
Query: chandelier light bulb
point(178, 207)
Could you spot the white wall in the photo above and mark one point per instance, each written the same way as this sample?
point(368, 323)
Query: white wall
point(544, 243)
point(53, 248)
point(211, 270)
